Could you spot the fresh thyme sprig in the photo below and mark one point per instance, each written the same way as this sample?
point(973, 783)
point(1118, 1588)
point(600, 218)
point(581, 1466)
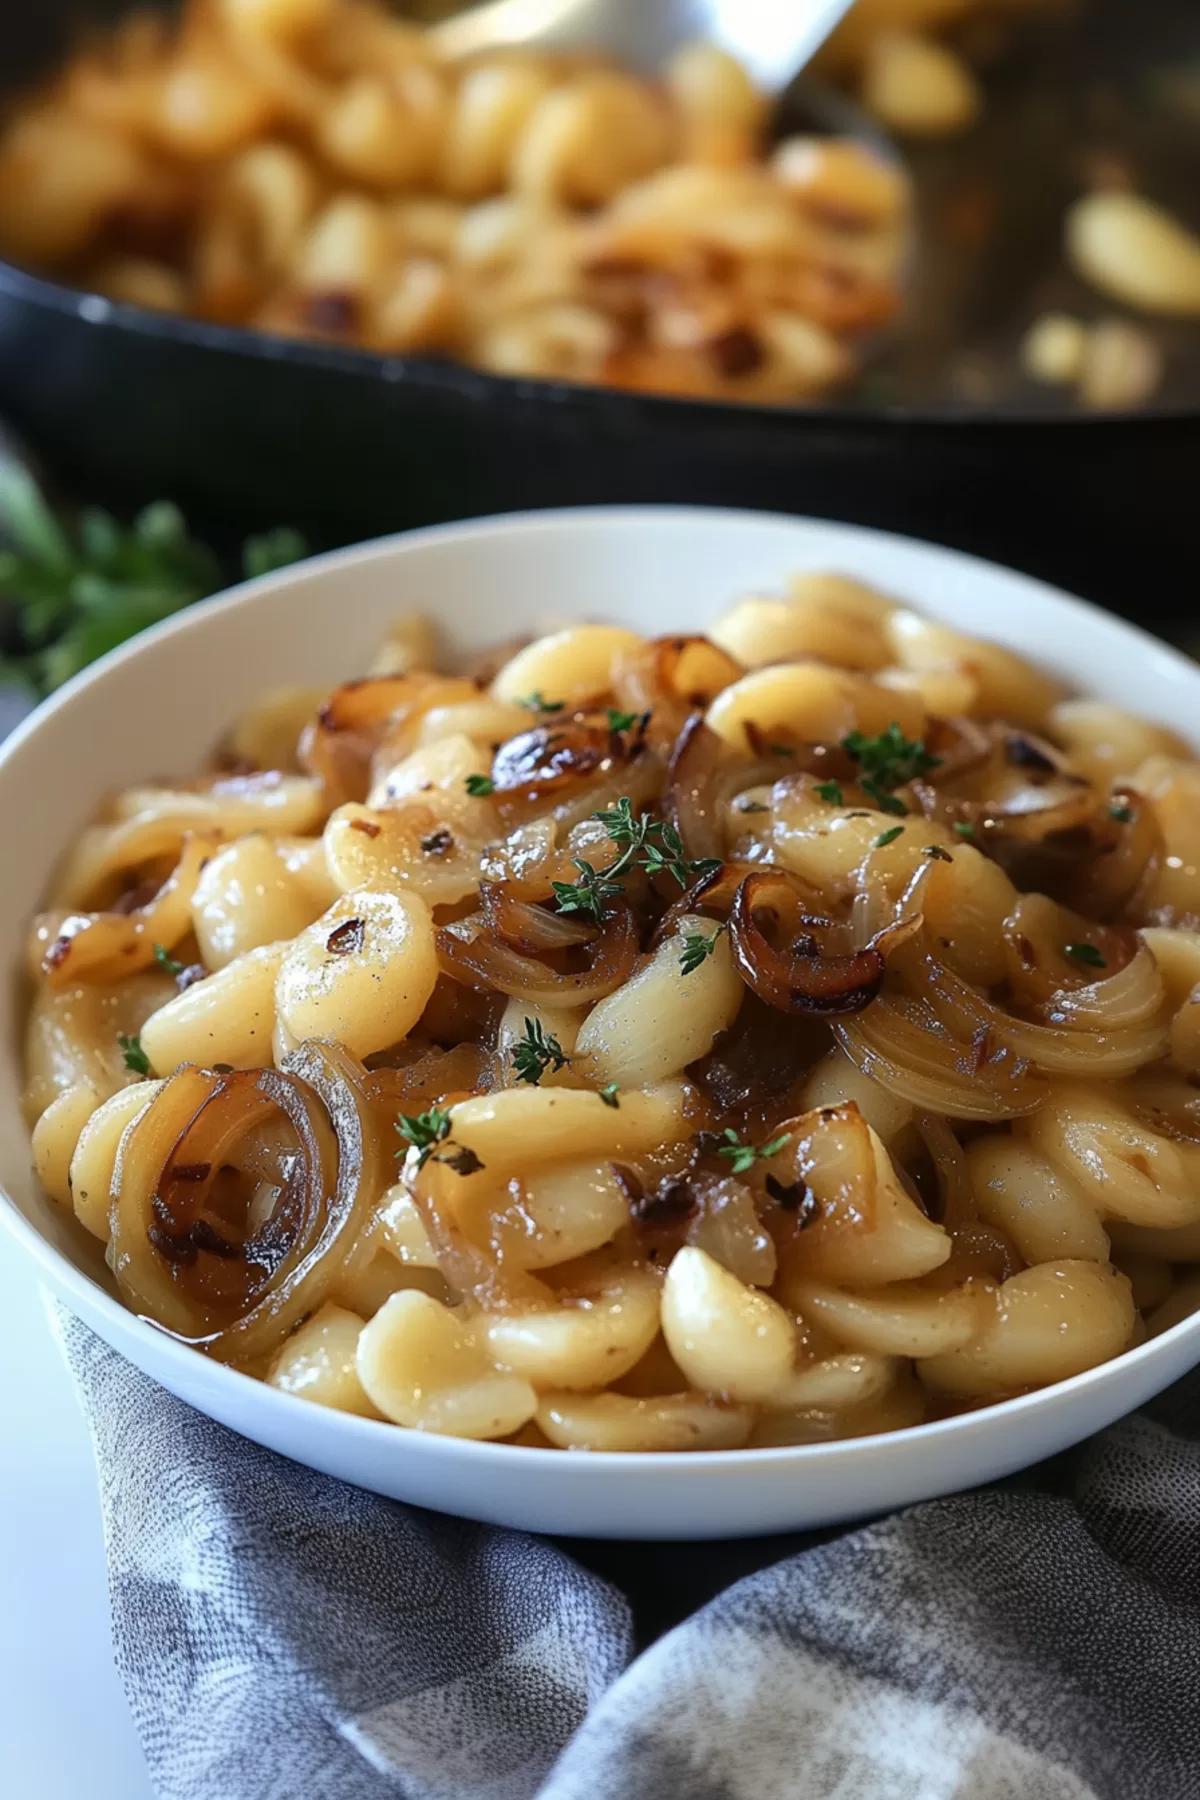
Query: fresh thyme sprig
point(166, 961)
point(135, 1057)
point(743, 1156)
point(888, 761)
point(535, 1053)
point(537, 703)
point(425, 1131)
point(697, 947)
point(643, 841)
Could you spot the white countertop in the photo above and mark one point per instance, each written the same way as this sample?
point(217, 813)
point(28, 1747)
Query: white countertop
point(65, 1728)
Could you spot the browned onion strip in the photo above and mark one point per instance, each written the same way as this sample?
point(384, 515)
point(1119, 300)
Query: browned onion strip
point(338, 745)
point(671, 678)
point(470, 952)
point(702, 779)
point(1068, 1048)
point(811, 978)
point(714, 895)
point(550, 758)
point(529, 928)
point(929, 1040)
point(1061, 990)
point(238, 1294)
point(106, 946)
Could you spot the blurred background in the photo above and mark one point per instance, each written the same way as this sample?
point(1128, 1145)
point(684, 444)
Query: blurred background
point(303, 263)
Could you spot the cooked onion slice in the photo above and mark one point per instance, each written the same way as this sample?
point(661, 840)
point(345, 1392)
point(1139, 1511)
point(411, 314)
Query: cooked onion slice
point(194, 1245)
point(702, 779)
point(472, 951)
point(106, 946)
point(814, 973)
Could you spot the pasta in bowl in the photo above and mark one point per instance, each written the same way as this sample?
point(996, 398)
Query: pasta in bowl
point(762, 1042)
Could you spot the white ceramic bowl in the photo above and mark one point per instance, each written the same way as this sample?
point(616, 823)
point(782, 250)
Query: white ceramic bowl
point(158, 704)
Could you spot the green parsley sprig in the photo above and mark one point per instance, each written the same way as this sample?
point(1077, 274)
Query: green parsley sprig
point(536, 1052)
point(69, 593)
point(888, 761)
point(1086, 954)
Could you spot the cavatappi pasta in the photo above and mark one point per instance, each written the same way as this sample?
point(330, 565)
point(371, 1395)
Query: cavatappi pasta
point(686, 1043)
point(317, 168)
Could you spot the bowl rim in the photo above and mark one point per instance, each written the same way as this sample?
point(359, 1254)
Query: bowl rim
point(71, 1281)
point(435, 377)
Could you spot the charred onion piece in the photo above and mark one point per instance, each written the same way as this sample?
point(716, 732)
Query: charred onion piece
point(807, 977)
point(548, 758)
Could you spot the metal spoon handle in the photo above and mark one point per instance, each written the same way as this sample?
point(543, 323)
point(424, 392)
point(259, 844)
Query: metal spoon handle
point(772, 38)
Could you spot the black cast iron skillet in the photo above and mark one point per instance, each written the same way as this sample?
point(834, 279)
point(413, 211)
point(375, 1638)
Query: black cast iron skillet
point(128, 405)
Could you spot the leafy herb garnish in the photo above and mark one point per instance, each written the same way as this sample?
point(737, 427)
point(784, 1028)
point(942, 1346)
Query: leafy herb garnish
point(589, 895)
point(888, 761)
point(537, 703)
point(829, 790)
point(697, 946)
point(135, 1057)
point(609, 1095)
point(744, 1156)
point(534, 1053)
point(75, 592)
point(966, 831)
point(1123, 814)
point(166, 961)
point(425, 1131)
point(1085, 953)
point(645, 841)
point(887, 837)
point(480, 786)
point(621, 721)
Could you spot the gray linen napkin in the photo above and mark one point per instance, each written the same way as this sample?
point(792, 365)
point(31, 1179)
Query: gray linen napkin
point(285, 1637)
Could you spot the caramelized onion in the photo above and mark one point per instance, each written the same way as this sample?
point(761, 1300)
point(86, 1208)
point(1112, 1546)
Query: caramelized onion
point(191, 1255)
point(671, 678)
point(105, 946)
point(813, 974)
point(932, 1045)
point(702, 779)
point(548, 758)
point(528, 928)
point(470, 951)
point(338, 745)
